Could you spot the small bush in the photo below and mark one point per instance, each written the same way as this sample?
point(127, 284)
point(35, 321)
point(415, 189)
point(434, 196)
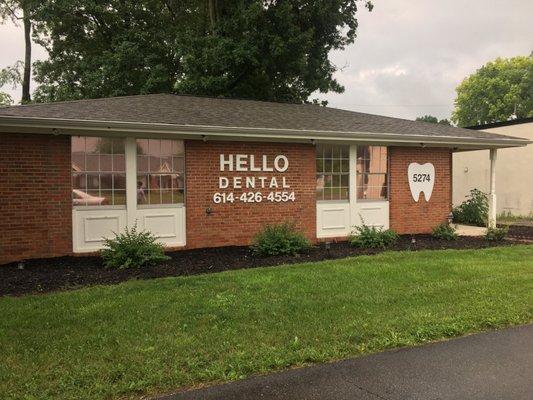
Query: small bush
point(279, 239)
point(474, 210)
point(370, 237)
point(444, 231)
point(497, 234)
point(132, 249)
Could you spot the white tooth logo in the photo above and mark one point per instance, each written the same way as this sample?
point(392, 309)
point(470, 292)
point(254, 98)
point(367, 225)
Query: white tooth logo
point(421, 179)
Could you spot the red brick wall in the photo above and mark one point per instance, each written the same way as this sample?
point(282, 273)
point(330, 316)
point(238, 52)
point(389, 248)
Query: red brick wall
point(35, 197)
point(237, 223)
point(406, 215)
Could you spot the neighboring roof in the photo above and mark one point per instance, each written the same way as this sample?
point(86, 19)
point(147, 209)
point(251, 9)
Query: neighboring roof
point(517, 121)
point(238, 117)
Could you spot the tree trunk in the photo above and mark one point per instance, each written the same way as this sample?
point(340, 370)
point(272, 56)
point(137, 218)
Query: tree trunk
point(27, 57)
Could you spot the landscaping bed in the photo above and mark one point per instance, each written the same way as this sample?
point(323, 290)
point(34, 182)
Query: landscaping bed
point(65, 273)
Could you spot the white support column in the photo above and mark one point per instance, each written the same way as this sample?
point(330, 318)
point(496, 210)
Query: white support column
point(353, 188)
point(492, 194)
point(131, 180)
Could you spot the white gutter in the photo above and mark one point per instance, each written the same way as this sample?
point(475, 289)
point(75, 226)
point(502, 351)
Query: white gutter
point(13, 124)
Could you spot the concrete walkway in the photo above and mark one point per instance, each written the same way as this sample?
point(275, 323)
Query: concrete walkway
point(468, 230)
point(493, 365)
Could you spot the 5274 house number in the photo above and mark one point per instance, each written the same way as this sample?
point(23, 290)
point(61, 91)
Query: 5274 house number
point(254, 197)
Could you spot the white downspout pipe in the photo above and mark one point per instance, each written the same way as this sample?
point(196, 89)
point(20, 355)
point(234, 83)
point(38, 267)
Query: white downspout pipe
point(492, 194)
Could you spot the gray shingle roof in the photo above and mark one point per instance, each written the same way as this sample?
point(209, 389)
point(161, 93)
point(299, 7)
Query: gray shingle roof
point(204, 111)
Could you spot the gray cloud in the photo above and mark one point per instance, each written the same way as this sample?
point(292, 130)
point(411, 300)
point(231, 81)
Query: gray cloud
point(409, 54)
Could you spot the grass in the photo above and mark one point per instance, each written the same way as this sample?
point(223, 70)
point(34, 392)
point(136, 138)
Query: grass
point(147, 337)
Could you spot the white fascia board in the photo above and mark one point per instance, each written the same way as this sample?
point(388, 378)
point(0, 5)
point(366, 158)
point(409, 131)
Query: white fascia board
point(12, 124)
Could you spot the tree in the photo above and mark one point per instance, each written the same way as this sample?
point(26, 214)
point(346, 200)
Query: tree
point(432, 119)
point(10, 76)
point(260, 49)
point(500, 90)
point(16, 11)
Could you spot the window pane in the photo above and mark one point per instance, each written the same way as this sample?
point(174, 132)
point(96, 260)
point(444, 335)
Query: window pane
point(344, 193)
point(345, 179)
point(119, 197)
point(328, 152)
point(178, 197)
point(119, 163)
point(336, 166)
point(107, 197)
point(166, 197)
point(345, 166)
point(166, 148)
point(160, 167)
point(166, 181)
point(106, 181)
point(319, 165)
point(78, 181)
point(93, 181)
point(78, 161)
point(178, 164)
point(154, 147)
point(142, 147)
point(93, 162)
point(177, 147)
point(142, 164)
point(154, 197)
point(91, 145)
point(166, 165)
point(177, 182)
point(106, 162)
point(118, 146)
point(119, 182)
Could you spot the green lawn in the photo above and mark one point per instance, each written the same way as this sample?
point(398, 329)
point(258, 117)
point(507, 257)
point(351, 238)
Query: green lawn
point(149, 337)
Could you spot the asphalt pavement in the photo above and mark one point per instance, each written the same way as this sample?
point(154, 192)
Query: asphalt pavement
point(491, 365)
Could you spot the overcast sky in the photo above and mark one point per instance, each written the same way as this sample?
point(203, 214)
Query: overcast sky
point(409, 54)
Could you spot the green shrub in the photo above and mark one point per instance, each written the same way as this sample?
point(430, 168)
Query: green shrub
point(474, 210)
point(497, 234)
point(132, 249)
point(279, 239)
point(444, 231)
point(370, 237)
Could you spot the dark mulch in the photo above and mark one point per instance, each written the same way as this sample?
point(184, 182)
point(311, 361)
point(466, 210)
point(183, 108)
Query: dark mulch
point(66, 273)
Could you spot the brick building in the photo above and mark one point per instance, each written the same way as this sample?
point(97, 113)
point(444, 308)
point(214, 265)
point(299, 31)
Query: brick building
point(204, 172)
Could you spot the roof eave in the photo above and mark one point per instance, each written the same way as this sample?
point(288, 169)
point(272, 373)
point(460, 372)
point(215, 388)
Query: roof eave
point(13, 124)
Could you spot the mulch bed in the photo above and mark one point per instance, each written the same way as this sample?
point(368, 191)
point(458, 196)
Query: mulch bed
point(67, 273)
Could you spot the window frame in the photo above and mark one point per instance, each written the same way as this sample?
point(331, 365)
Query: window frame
point(386, 173)
point(148, 173)
point(342, 149)
point(85, 172)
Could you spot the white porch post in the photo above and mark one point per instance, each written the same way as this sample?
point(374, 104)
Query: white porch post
point(492, 194)
point(131, 180)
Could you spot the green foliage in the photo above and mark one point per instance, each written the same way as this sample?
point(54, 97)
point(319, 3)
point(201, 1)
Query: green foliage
point(432, 119)
point(497, 234)
point(474, 210)
point(132, 249)
point(114, 342)
point(444, 231)
point(279, 239)
point(266, 50)
point(10, 76)
point(371, 237)
point(496, 92)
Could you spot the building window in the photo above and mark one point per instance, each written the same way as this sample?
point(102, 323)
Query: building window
point(371, 169)
point(98, 171)
point(160, 171)
point(332, 172)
